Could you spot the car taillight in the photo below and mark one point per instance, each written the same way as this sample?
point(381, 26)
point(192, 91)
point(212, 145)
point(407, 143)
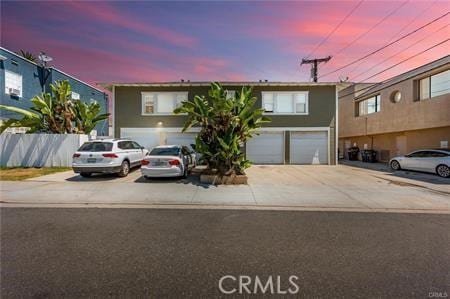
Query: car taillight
point(110, 156)
point(174, 162)
point(76, 155)
point(145, 162)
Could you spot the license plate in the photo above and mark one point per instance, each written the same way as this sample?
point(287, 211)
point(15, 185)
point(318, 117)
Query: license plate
point(91, 160)
point(159, 163)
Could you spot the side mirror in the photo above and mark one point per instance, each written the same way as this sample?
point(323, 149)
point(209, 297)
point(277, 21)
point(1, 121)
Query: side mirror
point(142, 147)
point(408, 156)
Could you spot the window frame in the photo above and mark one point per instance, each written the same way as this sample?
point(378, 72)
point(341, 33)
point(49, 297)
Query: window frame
point(8, 72)
point(430, 91)
point(155, 101)
point(377, 105)
point(294, 102)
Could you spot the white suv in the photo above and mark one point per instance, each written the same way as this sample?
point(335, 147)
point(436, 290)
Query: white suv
point(108, 156)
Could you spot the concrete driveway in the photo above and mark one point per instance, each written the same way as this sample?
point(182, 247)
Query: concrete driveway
point(270, 187)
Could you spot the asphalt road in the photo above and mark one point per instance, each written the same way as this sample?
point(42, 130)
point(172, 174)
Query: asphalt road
point(117, 253)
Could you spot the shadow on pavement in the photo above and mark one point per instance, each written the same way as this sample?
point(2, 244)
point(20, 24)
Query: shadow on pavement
point(406, 174)
point(99, 177)
point(192, 179)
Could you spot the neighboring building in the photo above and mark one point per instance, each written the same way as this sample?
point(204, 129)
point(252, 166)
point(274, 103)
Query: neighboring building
point(303, 116)
point(21, 80)
point(408, 112)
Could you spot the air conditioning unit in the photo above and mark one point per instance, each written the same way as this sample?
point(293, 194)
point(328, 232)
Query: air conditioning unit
point(14, 92)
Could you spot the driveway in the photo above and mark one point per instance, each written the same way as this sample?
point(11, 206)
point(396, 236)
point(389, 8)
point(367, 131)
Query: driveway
point(270, 187)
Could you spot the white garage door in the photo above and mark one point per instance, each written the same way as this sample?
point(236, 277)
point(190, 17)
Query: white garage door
point(148, 139)
point(180, 138)
point(309, 148)
point(266, 148)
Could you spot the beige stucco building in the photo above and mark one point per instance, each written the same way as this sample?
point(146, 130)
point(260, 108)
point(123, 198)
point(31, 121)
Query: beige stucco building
point(405, 113)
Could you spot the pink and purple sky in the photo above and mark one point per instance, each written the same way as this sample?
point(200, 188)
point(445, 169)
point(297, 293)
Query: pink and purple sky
point(228, 41)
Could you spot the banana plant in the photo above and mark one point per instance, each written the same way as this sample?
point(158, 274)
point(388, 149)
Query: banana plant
point(225, 125)
point(56, 113)
point(88, 116)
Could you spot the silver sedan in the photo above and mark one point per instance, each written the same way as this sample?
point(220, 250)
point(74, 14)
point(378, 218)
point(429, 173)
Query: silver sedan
point(167, 161)
point(428, 160)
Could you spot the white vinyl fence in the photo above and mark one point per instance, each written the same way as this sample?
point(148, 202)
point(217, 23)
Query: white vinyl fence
point(39, 150)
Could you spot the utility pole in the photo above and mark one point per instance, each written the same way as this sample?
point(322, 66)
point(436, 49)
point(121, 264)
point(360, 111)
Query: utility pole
point(314, 65)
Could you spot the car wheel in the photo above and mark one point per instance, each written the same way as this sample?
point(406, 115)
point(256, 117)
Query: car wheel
point(443, 171)
point(124, 169)
point(86, 174)
point(395, 165)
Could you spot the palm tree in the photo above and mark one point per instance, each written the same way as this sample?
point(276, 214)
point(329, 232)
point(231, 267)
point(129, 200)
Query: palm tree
point(27, 55)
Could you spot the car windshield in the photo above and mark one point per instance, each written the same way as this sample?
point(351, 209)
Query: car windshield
point(96, 147)
point(165, 151)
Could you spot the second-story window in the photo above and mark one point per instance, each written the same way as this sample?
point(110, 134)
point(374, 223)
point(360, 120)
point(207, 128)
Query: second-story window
point(434, 85)
point(75, 95)
point(13, 84)
point(161, 102)
point(370, 105)
point(230, 93)
point(285, 102)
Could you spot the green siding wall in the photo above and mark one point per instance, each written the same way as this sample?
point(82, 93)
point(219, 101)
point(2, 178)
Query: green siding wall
point(322, 108)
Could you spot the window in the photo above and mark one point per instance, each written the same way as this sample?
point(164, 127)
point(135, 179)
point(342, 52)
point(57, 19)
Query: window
point(424, 89)
point(370, 105)
point(268, 102)
point(96, 147)
point(440, 84)
point(434, 85)
point(13, 84)
point(230, 93)
point(419, 154)
point(285, 102)
point(125, 145)
point(165, 151)
point(136, 145)
point(161, 102)
point(75, 95)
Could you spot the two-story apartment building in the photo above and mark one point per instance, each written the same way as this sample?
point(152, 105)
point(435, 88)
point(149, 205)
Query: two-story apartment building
point(22, 79)
point(302, 131)
point(408, 112)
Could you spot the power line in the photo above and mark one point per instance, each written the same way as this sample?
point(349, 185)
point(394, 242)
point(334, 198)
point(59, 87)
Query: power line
point(377, 84)
point(335, 28)
point(385, 46)
point(371, 28)
point(409, 47)
point(421, 13)
point(421, 52)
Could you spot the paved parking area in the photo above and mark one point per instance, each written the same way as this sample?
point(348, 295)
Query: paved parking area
point(275, 187)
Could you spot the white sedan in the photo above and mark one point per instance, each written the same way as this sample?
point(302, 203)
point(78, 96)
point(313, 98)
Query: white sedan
point(167, 161)
point(428, 160)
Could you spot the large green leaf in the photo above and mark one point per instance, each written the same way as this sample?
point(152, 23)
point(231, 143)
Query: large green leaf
point(25, 113)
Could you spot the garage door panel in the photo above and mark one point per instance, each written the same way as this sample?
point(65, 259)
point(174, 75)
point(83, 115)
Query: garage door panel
point(266, 148)
point(147, 139)
point(180, 138)
point(309, 148)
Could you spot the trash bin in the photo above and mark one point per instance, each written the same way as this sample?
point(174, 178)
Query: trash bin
point(369, 156)
point(353, 153)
